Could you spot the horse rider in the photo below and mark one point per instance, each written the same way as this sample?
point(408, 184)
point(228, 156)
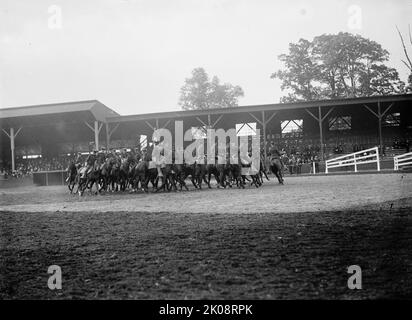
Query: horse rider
point(77, 158)
point(91, 159)
point(137, 154)
point(76, 161)
point(275, 154)
point(101, 157)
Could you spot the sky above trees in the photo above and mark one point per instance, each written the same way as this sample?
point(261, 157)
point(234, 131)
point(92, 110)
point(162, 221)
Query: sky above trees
point(134, 55)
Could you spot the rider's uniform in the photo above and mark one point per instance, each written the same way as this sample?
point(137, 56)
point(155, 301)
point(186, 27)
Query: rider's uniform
point(78, 160)
point(90, 162)
point(275, 154)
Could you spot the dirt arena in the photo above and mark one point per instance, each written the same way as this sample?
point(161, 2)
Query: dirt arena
point(275, 242)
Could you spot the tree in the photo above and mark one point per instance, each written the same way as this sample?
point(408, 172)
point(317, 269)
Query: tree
point(408, 62)
point(300, 74)
point(337, 66)
point(199, 93)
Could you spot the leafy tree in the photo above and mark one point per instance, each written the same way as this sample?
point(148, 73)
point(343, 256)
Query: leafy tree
point(408, 62)
point(300, 73)
point(337, 66)
point(199, 93)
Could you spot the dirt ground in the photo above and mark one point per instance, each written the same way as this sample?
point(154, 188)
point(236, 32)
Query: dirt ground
point(275, 242)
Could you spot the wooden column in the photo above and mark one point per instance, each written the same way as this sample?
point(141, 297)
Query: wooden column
point(264, 137)
point(380, 116)
point(320, 120)
point(96, 135)
point(96, 130)
point(322, 149)
point(380, 128)
point(107, 136)
point(12, 135)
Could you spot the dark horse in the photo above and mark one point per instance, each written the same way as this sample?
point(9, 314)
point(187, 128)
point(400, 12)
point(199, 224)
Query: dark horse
point(276, 167)
point(71, 176)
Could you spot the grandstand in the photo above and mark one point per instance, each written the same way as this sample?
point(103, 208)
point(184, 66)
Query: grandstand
point(41, 137)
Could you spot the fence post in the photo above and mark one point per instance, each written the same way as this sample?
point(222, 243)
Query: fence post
point(313, 167)
point(354, 160)
point(378, 161)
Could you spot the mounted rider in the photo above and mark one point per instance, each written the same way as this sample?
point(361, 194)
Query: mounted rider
point(274, 153)
point(101, 157)
point(90, 160)
point(74, 164)
point(78, 159)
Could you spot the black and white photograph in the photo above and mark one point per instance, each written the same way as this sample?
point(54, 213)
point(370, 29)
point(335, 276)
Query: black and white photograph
point(184, 151)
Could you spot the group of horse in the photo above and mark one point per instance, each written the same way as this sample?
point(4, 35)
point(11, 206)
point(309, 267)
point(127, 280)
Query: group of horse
point(121, 174)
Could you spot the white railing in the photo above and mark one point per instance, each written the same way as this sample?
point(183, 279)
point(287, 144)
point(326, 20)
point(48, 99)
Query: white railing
point(402, 160)
point(354, 159)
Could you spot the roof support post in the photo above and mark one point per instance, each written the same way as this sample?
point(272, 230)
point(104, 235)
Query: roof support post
point(96, 134)
point(201, 121)
point(264, 123)
point(380, 116)
point(96, 130)
point(320, 120)
point(12, 136)
point(107, 136)
point(256, 118)
point(380, 128)
point(166, 124)
point(217, 120)
point(322, 147)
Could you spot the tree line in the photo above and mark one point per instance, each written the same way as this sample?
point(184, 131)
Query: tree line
point(330, 66)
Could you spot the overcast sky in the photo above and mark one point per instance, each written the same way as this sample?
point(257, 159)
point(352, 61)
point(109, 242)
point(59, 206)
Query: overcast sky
point(134, 55)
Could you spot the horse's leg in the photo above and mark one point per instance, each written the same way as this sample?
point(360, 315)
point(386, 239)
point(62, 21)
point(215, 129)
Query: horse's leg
point(277, 175)
point(199, 181)
point(192, 178)
point(90, 186)
point(242, 185)
point(258, 181)
point(281, 175)
point(206, 179)
point(182, 179)
point(220, 182)
point(173, 182)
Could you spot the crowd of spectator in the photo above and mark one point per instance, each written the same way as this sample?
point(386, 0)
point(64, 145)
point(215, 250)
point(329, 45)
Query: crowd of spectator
point(26, 167)
point(401, 144)
point(295, 154)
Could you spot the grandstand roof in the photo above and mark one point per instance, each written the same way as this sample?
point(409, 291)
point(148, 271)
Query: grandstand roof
point(263, 107)
point(24, 115)
point(95, 110)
